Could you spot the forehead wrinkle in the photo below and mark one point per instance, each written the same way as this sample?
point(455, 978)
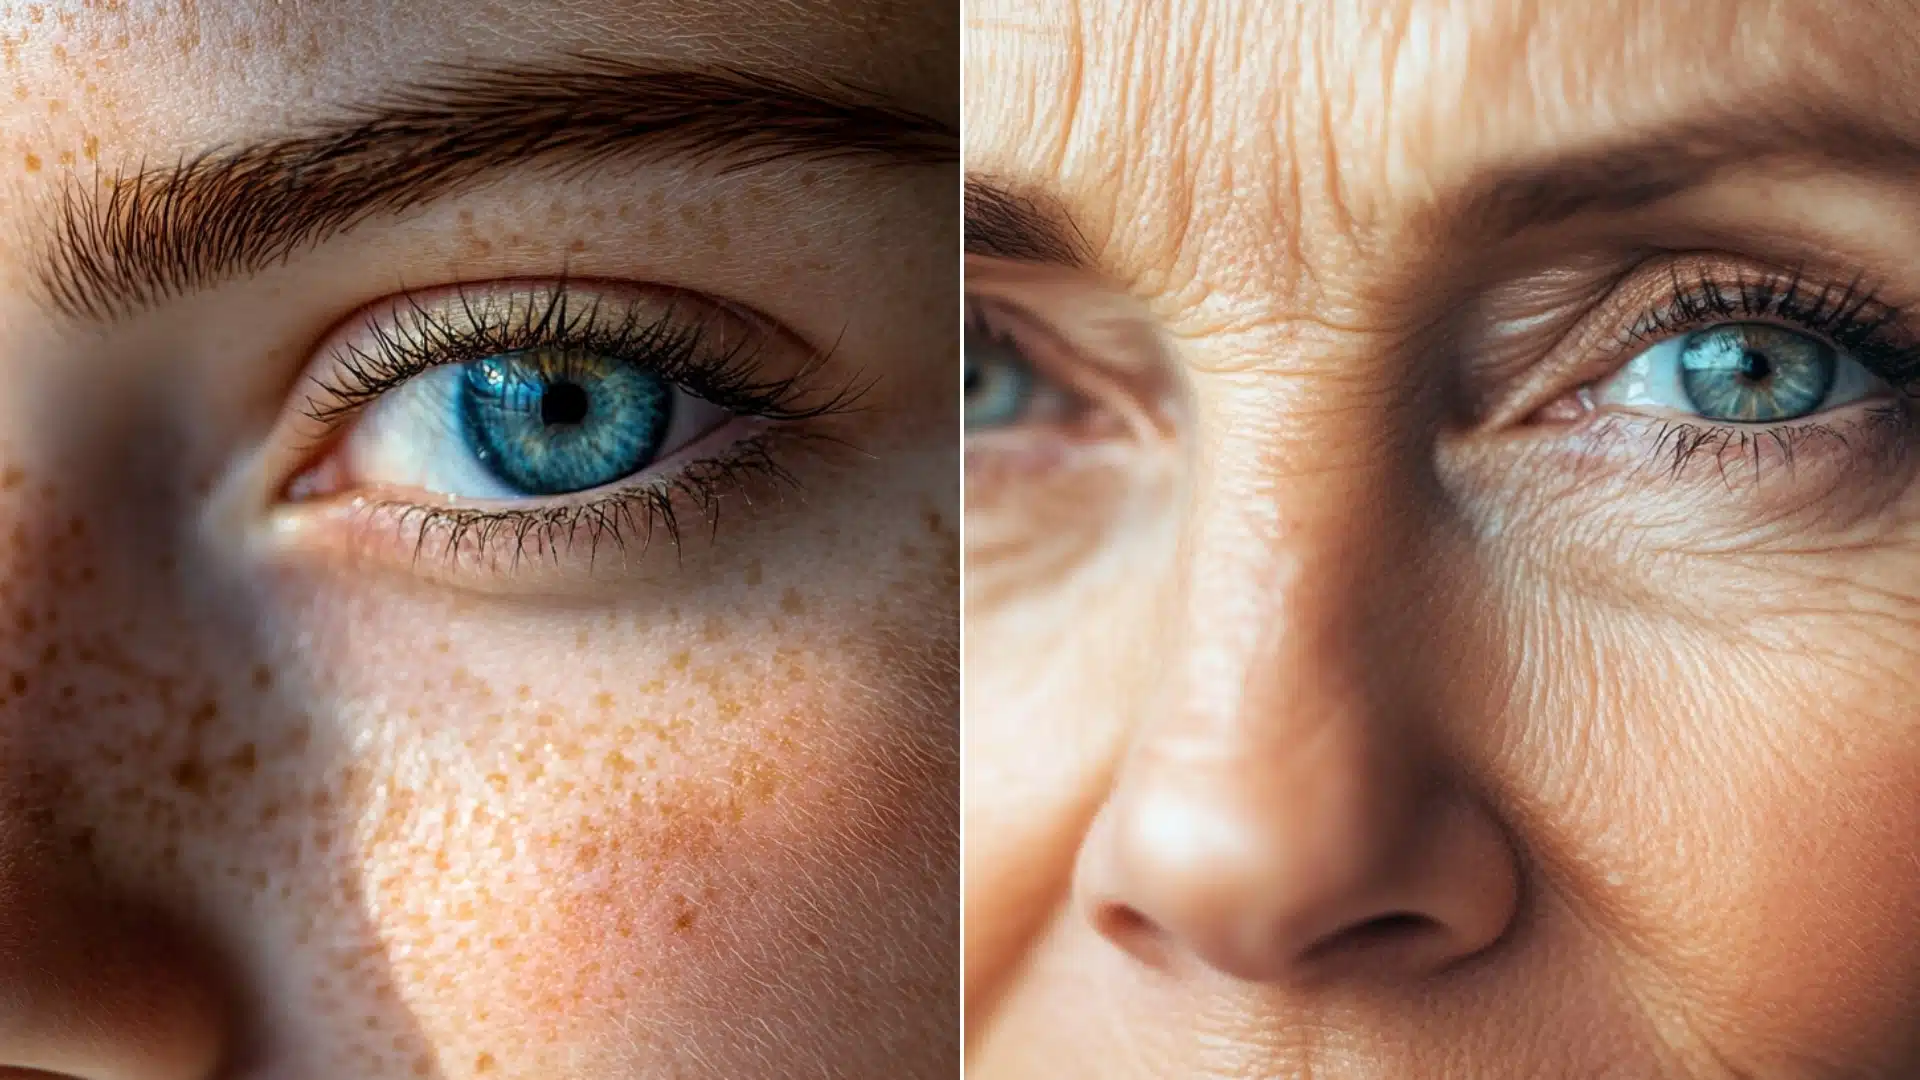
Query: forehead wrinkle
point(1523, 86)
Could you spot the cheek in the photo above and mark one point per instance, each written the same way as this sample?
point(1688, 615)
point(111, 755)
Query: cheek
point(633, 819)
point(1821, 895)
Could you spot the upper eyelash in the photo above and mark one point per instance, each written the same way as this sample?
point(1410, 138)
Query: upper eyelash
point(666, 345)
point(1852, 316)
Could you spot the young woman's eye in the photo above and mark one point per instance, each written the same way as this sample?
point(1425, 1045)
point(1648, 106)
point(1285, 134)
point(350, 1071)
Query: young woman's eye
point(1741, 373)
point(533, 422)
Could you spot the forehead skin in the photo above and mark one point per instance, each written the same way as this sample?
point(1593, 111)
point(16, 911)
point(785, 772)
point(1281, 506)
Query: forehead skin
point(1222, 156)
point(691, 831)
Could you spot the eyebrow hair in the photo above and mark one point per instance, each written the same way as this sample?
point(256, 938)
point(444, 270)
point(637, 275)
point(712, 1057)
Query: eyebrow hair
point(1652, 166)
point(1020, 226)
point(133, 241)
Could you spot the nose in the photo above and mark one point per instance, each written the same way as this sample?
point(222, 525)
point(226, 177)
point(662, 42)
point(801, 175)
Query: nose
point(91, 989)
point(1294, 829)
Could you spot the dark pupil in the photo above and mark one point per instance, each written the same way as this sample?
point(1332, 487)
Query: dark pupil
point(564, 403)
point(1754, 365)
point(551, 421)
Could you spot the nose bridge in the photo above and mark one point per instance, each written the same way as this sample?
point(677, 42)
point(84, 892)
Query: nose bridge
point(1275, 583)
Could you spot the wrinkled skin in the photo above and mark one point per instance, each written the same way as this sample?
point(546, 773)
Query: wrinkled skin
point(1374, 710)
point(278, 799)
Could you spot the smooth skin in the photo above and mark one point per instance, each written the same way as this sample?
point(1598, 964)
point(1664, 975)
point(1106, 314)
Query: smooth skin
point(282, 797)
point(1347, 696)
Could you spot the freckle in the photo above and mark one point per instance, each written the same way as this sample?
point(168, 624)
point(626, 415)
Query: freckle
point(422, 1065)
point(619, 762)
point(269, 813)
point(262, 676)
point(203, 715)
point(245, 759)
point(11, 478)
point(483, 1063)
point(441, 645)
point(66, 157)
point(19, 682)
point(577, 245)
point(33, 163)
point(791, 603)
point(191, 777)
point(90, 149)
point(580, 639)
point(753, 572)
point(83, 842)
point(602, 701)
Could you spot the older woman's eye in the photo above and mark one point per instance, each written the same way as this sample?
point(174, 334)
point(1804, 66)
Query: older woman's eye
point(531, 422)
point(1008, 364)
point(1742, 373)
point(999, 383)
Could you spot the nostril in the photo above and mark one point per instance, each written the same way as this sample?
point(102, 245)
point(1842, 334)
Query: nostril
point(1393, 932)
point(1118, 921)
point(1131, 930)
point(1399, 925)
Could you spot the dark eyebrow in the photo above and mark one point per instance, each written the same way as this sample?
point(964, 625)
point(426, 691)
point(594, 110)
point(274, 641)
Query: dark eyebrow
point(1646, 168)
point(1021, 226)
point(132, 241)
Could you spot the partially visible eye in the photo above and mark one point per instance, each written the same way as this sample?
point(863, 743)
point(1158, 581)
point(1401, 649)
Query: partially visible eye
point(1742, 373)
point(541, 421)
point(1005, 386)
point(999, 383)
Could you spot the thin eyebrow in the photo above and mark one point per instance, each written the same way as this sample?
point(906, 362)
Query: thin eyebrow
point(132, 241)
point(1649, 167)
point(1020, 226)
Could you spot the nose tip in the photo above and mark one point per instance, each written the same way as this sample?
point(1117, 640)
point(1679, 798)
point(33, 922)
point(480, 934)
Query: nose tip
point(1275, 892)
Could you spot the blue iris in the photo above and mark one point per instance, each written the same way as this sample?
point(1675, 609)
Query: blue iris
point(548, 422)
point(998, 383)
point(1756, 372)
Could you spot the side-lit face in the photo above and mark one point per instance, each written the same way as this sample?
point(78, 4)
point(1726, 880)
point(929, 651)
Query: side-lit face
point(1443, 541)
point(508, 627)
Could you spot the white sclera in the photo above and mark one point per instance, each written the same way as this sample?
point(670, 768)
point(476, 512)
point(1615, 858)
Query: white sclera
point(1653, 379)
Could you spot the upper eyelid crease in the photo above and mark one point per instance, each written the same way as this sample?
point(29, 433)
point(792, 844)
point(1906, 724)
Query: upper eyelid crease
point(130, 242)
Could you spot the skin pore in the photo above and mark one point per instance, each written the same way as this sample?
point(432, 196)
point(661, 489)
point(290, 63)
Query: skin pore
point(1364, 677)
point(289, 787)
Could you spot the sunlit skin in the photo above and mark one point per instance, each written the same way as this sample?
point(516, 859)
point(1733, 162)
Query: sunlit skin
point(278, 799)
point(1360, 699)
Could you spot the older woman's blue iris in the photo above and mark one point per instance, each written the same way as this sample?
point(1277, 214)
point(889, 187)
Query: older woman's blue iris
point(1756, 372)
point(548, 422)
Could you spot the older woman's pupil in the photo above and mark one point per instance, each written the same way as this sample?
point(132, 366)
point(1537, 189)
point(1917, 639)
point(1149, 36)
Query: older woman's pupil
point(1754, 365)
point(564, 403)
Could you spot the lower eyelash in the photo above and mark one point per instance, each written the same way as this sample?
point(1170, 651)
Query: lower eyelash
point(1881, 436)
point(627, 520)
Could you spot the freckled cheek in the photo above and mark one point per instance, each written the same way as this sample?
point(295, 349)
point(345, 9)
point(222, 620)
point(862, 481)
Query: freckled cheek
point(618, 806)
